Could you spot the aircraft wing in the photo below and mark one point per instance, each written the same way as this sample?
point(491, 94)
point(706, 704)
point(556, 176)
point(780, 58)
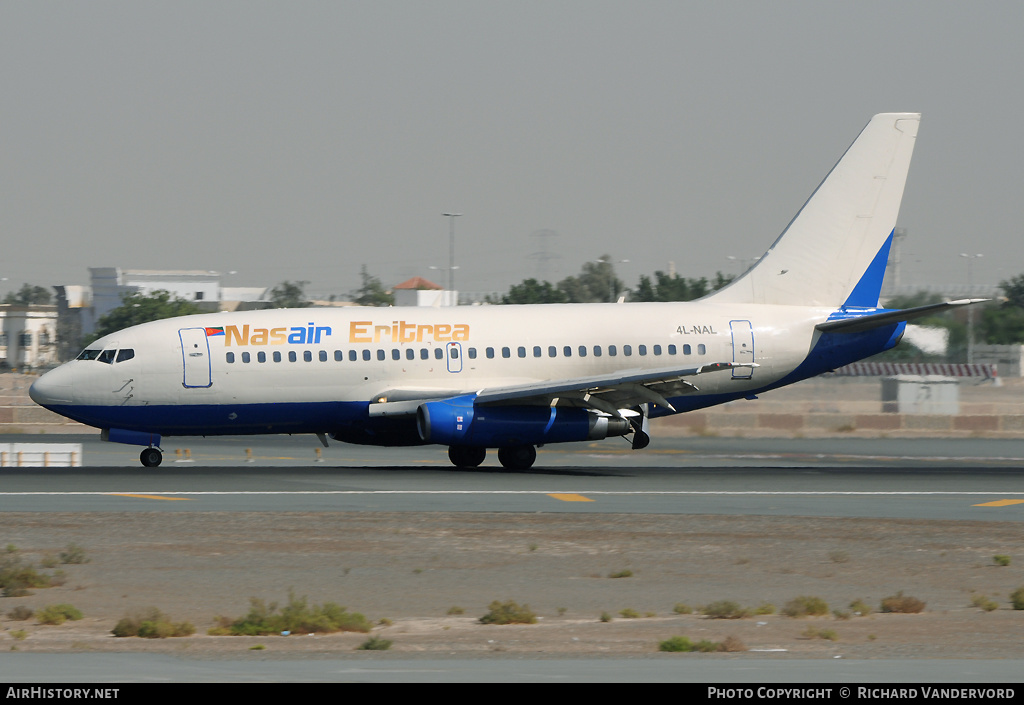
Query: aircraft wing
point(607, 393)
point(853, 323)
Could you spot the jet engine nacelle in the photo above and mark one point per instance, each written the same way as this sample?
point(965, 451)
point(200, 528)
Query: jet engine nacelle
point(456, 422)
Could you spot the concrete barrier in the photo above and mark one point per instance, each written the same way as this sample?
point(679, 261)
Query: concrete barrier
point(40, 455)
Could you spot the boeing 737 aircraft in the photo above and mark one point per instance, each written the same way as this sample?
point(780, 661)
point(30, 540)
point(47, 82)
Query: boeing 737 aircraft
point(516, 377)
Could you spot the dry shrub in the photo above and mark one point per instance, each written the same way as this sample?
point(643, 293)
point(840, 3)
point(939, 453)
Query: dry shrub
point(901, 603)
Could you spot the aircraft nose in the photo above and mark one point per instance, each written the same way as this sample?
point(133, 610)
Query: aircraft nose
point(54, 387)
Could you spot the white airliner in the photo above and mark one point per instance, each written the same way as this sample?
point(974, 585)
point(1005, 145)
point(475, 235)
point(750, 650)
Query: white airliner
point(516, 377)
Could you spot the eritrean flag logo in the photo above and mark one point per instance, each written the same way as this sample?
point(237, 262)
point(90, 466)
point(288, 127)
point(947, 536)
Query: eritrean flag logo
point(214, 331)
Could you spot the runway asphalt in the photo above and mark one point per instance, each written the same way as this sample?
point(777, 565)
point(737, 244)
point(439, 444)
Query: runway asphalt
point(955, 479)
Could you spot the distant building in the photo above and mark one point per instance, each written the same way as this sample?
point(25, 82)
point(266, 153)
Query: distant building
point(28, 336)
point(423, 292)
point(201, 287)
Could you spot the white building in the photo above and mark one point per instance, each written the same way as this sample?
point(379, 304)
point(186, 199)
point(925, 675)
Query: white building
point(202, 287)
point(28, 336)
point(422, 292)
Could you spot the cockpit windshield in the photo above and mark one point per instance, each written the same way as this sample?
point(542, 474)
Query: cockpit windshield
point(107, 356)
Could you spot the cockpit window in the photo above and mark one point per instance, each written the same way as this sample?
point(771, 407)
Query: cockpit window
point(88, 355)
point(125, 354)
point(107, 356)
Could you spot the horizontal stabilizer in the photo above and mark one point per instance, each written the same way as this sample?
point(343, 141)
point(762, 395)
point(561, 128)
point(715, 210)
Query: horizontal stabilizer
point(853, 323)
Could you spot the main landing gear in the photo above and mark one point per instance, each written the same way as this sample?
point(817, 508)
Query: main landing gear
point(511, 458)
point(151, 457)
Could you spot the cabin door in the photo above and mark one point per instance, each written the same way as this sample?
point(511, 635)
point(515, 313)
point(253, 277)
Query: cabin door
point(742, 348)
point(195, 358)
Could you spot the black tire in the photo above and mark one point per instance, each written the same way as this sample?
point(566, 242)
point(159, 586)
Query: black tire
point(466, 456)
point(151, 457)
point(517, 457)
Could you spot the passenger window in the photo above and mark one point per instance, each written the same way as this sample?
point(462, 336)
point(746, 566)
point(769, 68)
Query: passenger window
point(701, 350)
point(88, 355)
point(277, 356)
point(583, 351)
point(657, 350)
point(353, 355)
point(410, 354)
point(521, 351)
point(612, 351)
point(506, 353)
point(245, 358)
point(107, 356)
point(381, 355)
point(307, 356)
point(125, 354)
point(567, 351)
point(552, 351)
point(536, 351)
point(671, 349)
point(396, 354)
point(438, 353)
point(597, 351)
point(641, 350)
point(292, 357)
point(261, 357)
point(366, 355)
point(627, 350)
point(424, 354)
point(490, 353)
point(338, 356)
point(453, 352)
point(323, 356)
point(687, 349)
point(472, 353)
point(230, 357)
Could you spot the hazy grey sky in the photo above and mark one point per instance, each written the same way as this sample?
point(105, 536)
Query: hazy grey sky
point(300, 140)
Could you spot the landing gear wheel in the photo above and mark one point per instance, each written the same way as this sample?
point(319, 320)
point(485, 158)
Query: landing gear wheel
point(517, 457)
point(151, 457)
point(466, 456)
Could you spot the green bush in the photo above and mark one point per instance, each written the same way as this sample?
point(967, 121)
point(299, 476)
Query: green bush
point(676, 644)
point(985, 603)
point(58, 614)
point(296, 617)
point(725, 609)
point(18, 577)
point(375, 643)
point(74, 554)
point(860, 606)
point(1001, 560)
point(805, 606)
point(682, 608)
point(1017, 598)
point(508, 613)
point(627, 573)
point(629, 613)
point(151, 624)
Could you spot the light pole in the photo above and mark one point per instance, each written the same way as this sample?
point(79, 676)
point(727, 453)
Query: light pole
point(970, 309)
point(451, 254)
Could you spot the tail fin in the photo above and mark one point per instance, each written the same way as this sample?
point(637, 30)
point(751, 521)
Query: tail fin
point(834, 252)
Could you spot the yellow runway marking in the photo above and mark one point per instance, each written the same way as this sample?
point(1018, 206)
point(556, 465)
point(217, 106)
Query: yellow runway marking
point(151, 496)
point(1001, 503)
point(571, 497)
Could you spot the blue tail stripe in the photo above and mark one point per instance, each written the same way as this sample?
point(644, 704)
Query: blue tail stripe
point(868, 289)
